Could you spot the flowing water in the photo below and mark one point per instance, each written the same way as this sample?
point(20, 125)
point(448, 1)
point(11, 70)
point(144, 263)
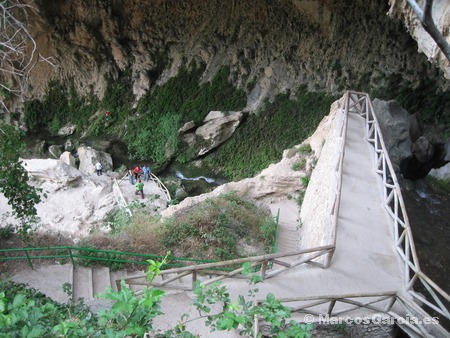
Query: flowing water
point(428, 211)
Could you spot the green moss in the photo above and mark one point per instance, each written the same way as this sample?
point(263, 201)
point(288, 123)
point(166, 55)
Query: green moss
point(61, 104)
point(262, 139)
point(154, 134)
point(431, 103)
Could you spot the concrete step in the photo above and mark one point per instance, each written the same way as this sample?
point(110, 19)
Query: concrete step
point(288, 239)
point(115, 277)
point(100, 279)
point(82, 283)
point(47, 279)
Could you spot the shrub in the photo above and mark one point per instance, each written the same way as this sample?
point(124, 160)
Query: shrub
point(214, 228)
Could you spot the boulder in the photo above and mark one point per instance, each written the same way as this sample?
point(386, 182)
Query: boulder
point(422, 149)
point(51, 170)
point(66, 130)
point(217, 128)
point(68, 145)
point(442, 173)
point(55, 151)
point(40, 148)
point(68, 158)
point(89, 156)
point(396, 126)
point(186, 127)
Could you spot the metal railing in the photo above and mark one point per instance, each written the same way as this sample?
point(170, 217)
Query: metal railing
point(82, 255)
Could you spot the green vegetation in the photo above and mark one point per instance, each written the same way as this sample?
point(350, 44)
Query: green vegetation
point(25, 312)
point(154, 132)
point(427, 100)
point(14, 178)
point(262, 139)
point(60, 105)
point(216, 229)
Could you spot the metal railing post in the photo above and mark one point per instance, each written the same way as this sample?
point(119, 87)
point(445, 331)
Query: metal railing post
point(71, 257)
point(29, 259)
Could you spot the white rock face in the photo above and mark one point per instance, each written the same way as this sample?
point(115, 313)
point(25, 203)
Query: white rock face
point(74, 203)
point(217, 128)
point(51, 170)
point(66, 130)
point(68, 158)
point(89, 156)
point(443, 173)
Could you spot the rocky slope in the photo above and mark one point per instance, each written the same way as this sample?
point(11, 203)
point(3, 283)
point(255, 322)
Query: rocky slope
point(271, 46)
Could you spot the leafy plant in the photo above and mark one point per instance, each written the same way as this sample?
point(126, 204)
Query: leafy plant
point(214, 228)
point(305, 149)
point(159, 114)
point(7, 231)
point(240, 315)
point(14, 178)
point(305, 180)
point(300, 165)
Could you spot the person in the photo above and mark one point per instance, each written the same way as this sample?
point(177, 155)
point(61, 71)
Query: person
point(130, 176)
point(139, 188)
point(146, 170)
point(98, 168)
point(137, 172)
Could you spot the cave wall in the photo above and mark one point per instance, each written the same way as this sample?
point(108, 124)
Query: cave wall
point(270, 45)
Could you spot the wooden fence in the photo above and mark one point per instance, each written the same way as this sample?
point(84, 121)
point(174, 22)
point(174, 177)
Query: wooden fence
point(209, 273)
point(435, 299)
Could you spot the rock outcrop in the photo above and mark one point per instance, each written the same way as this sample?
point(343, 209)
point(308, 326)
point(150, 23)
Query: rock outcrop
point(217, 128)
point(270, 47)
point(276, 183)
point(441, 16)
point(411, 155)
point(89, 156)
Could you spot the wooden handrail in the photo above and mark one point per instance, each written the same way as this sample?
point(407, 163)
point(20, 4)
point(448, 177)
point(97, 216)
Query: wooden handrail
point(216, 270)
point(395, 207)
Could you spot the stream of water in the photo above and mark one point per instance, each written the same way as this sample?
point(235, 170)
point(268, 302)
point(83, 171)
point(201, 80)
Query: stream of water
point(428, 211)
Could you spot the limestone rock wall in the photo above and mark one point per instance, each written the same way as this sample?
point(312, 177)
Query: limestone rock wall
point(270, 45)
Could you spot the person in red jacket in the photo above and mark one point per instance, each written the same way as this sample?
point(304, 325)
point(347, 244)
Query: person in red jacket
point(137, 172)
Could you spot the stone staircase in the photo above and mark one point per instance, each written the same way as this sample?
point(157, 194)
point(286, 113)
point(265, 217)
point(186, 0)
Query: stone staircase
point(86, 282)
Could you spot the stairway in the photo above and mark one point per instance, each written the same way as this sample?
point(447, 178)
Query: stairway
point(87, 282)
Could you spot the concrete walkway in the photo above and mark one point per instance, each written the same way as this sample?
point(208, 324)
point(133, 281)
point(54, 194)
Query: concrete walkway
point(364, 261)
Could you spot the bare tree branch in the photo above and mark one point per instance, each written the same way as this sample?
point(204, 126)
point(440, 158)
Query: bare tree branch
point(425, 17)
point(18, 49)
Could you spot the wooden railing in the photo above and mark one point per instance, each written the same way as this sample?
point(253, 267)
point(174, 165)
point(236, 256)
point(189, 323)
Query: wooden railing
point(158, 183)
point(212, 272)
point(377, 308)
point(119, 197)
point(438, 300)
point(334, 212)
